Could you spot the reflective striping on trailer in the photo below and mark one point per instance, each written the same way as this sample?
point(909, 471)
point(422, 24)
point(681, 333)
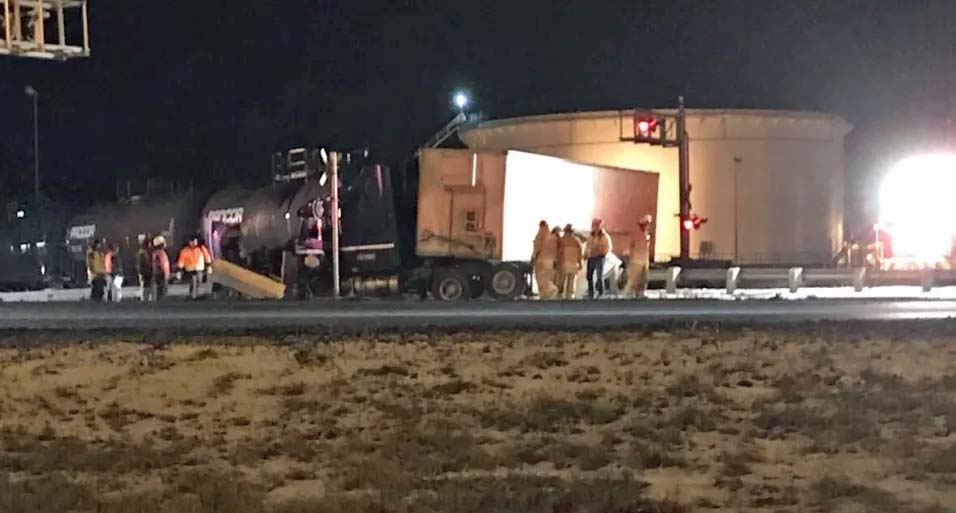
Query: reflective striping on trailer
point(369, 247)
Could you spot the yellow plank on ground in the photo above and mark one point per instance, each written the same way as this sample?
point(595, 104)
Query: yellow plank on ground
point(246, 282)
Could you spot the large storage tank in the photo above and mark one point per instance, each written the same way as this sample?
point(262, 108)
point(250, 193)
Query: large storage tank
point(769, 182)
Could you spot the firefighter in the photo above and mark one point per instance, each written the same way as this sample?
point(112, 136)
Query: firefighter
point(192, 261)
point(160, 263)
point(144, 268)
point(639, 258)
point(570, 257)
point(543, 261)
point(598, 247)
point(96, 270)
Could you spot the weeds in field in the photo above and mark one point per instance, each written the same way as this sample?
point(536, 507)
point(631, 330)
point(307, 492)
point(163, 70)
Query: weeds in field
point(470, 424)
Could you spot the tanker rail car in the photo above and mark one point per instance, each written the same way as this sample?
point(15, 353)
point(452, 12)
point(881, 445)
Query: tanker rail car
point(460, 227)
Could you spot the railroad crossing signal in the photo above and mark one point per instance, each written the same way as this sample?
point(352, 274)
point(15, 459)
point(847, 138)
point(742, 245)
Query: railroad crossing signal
point(652, 128)
point(669, 129)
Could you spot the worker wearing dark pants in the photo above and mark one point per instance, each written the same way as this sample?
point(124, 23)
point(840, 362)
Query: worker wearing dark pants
point(595, 276)
point(161, 271)
point(96, 270)
point(598, 246)
point(195, 281)
point(160, 287)
point(193, 262)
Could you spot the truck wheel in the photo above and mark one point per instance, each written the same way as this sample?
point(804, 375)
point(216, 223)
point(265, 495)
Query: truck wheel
point(504, 282)
point(450, 285)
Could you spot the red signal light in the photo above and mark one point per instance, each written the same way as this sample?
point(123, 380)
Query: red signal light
point(644, 127)
point(692, 223)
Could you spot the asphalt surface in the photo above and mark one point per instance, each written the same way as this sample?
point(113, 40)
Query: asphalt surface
point(399, 315)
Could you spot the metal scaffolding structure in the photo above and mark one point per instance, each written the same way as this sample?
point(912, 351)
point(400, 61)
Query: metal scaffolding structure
point(45, 29)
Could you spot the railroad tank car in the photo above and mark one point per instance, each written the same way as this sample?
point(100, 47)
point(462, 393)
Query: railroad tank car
point(174, 217)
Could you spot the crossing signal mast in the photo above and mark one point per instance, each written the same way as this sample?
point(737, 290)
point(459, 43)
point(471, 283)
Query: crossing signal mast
point(669, 130)
point(45, 29)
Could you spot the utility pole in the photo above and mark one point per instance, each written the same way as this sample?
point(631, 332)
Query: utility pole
point(334, 184)
point(31, 92)
point(683, 176)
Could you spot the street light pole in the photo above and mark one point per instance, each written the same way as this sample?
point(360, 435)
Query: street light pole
point(31, 92)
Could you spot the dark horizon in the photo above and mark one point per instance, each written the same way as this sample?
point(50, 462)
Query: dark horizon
point(207, 94)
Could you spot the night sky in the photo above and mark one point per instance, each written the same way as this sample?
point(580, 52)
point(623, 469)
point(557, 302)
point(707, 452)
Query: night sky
point(207, 93)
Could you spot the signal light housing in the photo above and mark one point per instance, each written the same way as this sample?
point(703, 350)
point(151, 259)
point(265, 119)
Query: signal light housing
point(645, 127)
point(692, 223)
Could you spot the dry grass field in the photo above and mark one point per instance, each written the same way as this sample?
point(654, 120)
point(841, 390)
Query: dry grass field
point(743, 420)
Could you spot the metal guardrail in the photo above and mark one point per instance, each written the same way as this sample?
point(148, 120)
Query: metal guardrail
point(796, 277)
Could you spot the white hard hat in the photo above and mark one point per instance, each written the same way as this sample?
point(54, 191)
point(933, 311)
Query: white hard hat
point(159, 240)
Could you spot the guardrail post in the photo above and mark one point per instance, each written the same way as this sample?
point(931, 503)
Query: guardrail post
point(795, 278)
point(926, 279)
point(733, 278)
point(673, 274)
point(859, 278)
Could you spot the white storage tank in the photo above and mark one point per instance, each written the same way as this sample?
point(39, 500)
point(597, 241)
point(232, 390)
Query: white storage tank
point(770, 183)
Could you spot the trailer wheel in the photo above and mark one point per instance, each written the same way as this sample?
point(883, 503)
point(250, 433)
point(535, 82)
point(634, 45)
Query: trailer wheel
point(450, 285)
point(504, 282)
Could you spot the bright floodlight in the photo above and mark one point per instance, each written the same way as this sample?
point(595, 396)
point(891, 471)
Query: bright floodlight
point(461, 100)
point(916, 206)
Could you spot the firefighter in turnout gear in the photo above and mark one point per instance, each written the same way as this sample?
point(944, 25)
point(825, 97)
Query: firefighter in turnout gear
point(543, 260)
point(639, 258)
point(570, 259)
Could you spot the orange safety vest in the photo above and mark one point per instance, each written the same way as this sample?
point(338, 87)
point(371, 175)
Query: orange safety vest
point(191, 259)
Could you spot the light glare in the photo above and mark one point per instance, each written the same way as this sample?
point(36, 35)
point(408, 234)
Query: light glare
point(915, 207)
point(461, 100)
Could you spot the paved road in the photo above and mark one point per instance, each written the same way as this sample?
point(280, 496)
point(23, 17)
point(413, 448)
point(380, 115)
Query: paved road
point(387, 315)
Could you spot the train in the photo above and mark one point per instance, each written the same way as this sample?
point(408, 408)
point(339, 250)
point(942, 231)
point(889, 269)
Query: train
point(32, 253)
point(453, 224)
